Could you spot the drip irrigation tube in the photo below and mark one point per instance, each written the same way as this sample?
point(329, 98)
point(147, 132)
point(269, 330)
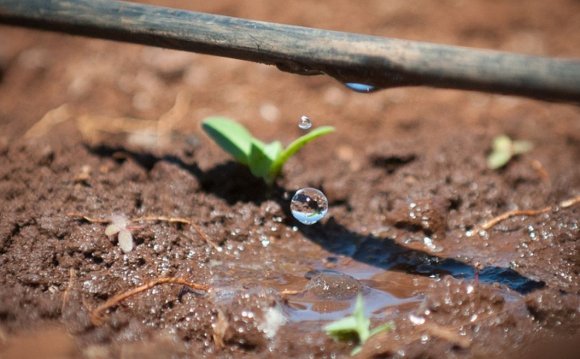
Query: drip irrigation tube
point(378, 61)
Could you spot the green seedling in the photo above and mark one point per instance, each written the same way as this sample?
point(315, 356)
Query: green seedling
point(355, 327)
point(504, 149)
point(264, 160)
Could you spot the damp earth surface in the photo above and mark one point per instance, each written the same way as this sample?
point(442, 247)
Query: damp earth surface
point(91, 129)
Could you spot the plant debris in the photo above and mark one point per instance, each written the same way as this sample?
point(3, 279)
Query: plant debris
point(118, 226)
point(97, 313)
point(527, 212)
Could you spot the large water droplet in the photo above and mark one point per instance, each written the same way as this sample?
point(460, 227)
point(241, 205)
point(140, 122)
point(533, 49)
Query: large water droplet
point(363, 88)
point(305, 122)
point(309, 205)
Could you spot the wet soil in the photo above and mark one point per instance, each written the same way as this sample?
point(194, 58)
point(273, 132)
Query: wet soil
point(94, 128)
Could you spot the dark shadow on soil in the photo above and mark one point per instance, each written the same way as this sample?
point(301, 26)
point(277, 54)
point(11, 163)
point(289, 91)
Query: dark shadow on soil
point(218, 180)
point(380, 252)
point(385, 253)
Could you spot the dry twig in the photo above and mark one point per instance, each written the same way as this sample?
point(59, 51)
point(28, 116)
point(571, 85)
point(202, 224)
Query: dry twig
point(205, 238)
point(177, 113)
point(48, 121)
point(220, 328)
point(66, 295)
point(165, 219)
point(541, 170)
point(527, 212)
point(447, 334)
point(286, 292)
point(96, 314)
point(570, 202)
point(515, 213)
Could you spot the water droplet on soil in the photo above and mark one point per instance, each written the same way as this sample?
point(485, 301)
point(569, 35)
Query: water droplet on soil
point(416, 320)
point(532, 233)
point(265, 241)
point(309, 205)
point(362, 88)
point(470, 289)
point(305, 122)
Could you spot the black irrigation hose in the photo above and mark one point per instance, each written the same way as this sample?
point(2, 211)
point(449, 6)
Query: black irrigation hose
point(378, 61)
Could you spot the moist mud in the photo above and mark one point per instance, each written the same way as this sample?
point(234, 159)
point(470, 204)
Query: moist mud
point(405, 176)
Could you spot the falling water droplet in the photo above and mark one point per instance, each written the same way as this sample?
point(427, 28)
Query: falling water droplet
point(362, 88)
point(309, 205)
point(305, 122)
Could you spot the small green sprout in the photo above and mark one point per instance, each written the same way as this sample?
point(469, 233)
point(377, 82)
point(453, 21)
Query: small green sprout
point(355, 327)
point(504, 149)
point(264, 160)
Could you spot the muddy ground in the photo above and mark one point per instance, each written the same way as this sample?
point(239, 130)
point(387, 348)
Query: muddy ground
point(94, 128)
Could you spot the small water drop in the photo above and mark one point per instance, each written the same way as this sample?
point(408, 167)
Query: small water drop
point(431, 245)
point(416, 320)
point(305, 122)
point(532, 233)
point(470, 289)
point(362, 88)
point(309, 205)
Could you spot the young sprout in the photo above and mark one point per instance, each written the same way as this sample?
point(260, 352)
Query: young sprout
point(504, 149)
point(264, 160)
point(118, 226)
point(355, 327)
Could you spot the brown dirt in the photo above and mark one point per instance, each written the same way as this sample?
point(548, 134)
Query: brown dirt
point(95, 128)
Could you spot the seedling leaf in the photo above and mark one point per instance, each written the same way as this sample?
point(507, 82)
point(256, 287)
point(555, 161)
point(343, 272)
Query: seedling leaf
point(231, 136)
point(259, 161)
point(363, 323)
point(125, 241)
point(296, 146)
point(504, 149)
point(273, 150)
point(520, 147)
point(381, 328)
point(355, 327)
point(264, 160)
point(113, 229)
point(497, 160)
point(343, 329)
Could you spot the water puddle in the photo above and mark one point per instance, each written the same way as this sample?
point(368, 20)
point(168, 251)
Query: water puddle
point(305, 308)
point(330, 294)
point(314, 284)
point(322, 294)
